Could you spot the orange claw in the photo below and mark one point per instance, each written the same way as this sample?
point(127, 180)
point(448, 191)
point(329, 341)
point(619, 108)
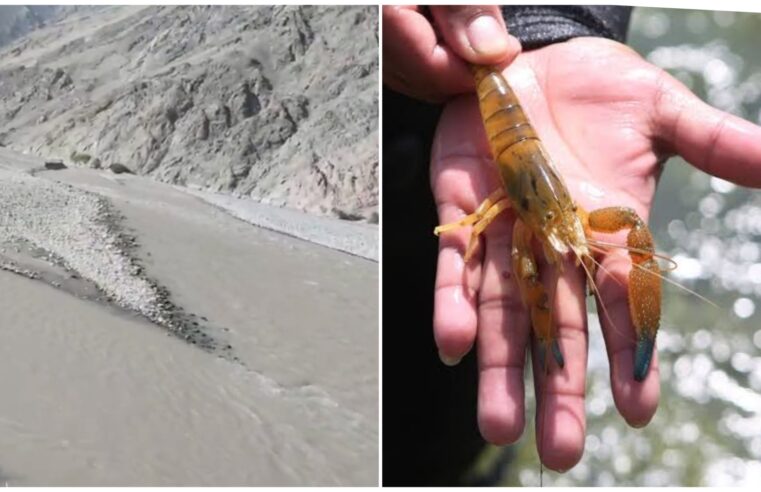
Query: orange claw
point(644, 279)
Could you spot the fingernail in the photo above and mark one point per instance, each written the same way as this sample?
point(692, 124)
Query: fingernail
point(487, 36)
point(449, 361)
point(638, 425)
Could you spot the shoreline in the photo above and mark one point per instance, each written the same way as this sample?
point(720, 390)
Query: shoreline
point(359, 239)
point(356, 238)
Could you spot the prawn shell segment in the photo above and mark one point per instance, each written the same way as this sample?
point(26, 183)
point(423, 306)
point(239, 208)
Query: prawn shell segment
point(534, 187)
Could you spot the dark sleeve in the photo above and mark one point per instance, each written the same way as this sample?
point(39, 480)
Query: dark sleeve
point(539, 25)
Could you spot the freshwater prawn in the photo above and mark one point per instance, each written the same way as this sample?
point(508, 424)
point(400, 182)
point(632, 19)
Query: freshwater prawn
point(533, 188)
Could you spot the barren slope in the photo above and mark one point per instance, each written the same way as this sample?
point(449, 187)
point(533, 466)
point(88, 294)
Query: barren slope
point(274, 103)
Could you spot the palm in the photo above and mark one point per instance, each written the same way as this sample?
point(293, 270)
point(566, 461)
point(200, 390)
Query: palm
point(605, 115)
point(600, 125)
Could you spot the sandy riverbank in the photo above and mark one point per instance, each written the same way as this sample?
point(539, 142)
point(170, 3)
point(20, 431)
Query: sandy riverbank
point(273, 379)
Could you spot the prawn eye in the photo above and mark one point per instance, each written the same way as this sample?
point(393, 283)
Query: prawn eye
point(549, 216)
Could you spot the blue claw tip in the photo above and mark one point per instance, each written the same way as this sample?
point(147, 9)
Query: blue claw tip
point(557, 354)
point(643, 354)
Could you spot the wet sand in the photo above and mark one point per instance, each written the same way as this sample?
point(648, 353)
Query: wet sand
point(97, 392)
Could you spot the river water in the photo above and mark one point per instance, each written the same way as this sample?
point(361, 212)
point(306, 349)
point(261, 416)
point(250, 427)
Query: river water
point(285, 392)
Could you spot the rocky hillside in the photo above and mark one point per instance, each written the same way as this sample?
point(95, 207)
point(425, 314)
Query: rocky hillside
point(279, 104)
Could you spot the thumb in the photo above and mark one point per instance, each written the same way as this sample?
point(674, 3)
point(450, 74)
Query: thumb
point(476, 33)
point(716, 142)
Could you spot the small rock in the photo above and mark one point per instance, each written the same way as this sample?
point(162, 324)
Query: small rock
point(54, 164)
point(118, 168)
point(344, 215)
point(95, 163)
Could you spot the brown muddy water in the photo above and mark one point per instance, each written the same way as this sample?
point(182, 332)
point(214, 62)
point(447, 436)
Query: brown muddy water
point(259, 365)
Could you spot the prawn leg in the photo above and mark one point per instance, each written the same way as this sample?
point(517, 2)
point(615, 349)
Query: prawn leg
point(644, 279)
point(534, 295)
point(486, 212)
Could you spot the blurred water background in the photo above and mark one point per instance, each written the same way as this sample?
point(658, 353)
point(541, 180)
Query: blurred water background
point(707, 430)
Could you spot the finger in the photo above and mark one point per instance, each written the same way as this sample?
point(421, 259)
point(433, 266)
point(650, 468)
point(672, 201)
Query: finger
point(636, 401)
point(414, 63)
point(477, 33)
point(560, 417)
point(716, 142)
point(459, 184)
point(503, 333)
point(456, 291)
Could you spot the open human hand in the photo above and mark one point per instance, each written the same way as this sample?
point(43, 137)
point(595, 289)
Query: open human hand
point(608, 119)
